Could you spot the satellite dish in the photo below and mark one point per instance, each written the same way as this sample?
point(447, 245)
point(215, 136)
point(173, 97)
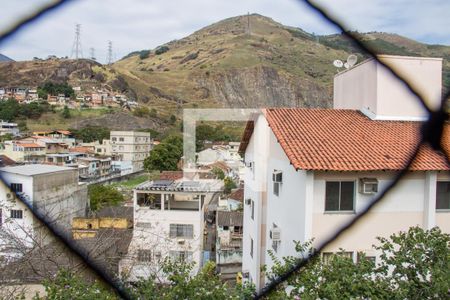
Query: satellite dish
point(351, 60)
point(338, 63)
point(346, 65)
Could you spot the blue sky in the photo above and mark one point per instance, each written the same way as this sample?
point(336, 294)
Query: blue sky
point(144, 24)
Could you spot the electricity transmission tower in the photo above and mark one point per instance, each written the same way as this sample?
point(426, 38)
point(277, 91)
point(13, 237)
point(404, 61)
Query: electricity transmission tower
point(110, 57)
point(77, 51)
point(92, 54)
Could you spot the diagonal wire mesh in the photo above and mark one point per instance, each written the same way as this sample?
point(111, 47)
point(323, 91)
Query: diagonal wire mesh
point(431, 134)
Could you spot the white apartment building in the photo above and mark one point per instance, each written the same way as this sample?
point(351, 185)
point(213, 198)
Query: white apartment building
point(9, 128)
point(311, 170)
point(131, 146)
point(52, 191)
point(168, 221)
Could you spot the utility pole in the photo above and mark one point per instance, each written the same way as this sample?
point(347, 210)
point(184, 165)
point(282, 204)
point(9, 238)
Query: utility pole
point(110, 57)
point(92, 54)
point(77, 51)
point(248, 24)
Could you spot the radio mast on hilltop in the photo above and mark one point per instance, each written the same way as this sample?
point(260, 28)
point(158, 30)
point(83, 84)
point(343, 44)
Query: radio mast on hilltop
point(77, 51)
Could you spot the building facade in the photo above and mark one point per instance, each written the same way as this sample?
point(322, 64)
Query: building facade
point(309, 171)
point(131, 146)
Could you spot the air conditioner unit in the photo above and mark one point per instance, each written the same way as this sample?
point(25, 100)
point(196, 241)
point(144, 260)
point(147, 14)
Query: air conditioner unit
point(181, 241)
point(275, 234)
point(248, 201)
point(368, 186)
point(277, 176)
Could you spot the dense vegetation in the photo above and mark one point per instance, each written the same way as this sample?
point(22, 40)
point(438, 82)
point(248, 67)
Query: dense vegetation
point(11, 110)
point(91, 133)
point(54, 89)
point(205, 132)
point(103, 195)
point(162, 49)
point(166, 155)
point(419, 262)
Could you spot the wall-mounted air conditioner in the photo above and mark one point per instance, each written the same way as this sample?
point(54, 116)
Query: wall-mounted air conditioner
point(275, 234)
point(181, 241)
point(248, 201)
point(277, 176)
point(368, 186)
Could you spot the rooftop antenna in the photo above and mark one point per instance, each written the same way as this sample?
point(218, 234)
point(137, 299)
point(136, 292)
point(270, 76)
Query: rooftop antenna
point(338, 64)
point(352, 59)
point(110, 58)
point(77, 51)
point(92, 54)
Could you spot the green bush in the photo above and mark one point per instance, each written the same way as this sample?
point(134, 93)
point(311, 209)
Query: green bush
point(103, 195)
point(144, 54)
point(162, 49)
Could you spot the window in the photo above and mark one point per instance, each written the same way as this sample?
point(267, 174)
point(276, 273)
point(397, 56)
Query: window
point(443, 195)
point(277, 178)
point(114, 139)
point(16, 187)
point(1, 221)
point(181, 255)
point(253, 209)
point(251, 247)
point(144, 255)
point(121, 139)
point(182, 231)
point(327, 256)
point(225, 228)
point(339, 195)
point(365, 257)
point(16, 214)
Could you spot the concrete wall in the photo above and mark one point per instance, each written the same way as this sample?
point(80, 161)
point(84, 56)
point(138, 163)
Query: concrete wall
point(370, 87)
point(256, 190)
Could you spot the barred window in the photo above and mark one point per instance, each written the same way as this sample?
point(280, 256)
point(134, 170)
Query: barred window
point(181, 255)
point(16, 187)
point(182, 231)
point(16, 214)
point(144, 255)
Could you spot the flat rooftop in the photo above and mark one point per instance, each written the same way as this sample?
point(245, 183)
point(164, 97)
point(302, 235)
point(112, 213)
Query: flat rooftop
point(35, 169)
point(181, 185)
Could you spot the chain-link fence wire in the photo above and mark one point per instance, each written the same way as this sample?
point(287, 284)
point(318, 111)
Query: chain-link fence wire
point(431, 134)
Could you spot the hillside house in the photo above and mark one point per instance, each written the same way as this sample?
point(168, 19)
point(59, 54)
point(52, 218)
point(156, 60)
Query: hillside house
point(311, 170)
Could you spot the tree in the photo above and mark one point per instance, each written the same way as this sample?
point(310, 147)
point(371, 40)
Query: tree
point(55, 89)
point(172, 119)
point(65, 112)
point(103, 195)
point(67, 285)
point(91, 133)
point(153, 113)
point(166, 155)
point(229, 184)
point(414, 265)
point(162, 49)
point(181, 285)
point(218, 172)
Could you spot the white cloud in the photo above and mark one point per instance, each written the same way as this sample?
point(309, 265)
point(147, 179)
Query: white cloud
point(142, 24)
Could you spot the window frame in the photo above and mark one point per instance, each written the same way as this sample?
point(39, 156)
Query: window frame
point(17, 187)
point(339, 211)
point(16, 214)
point(180, 231)
point(442, 209)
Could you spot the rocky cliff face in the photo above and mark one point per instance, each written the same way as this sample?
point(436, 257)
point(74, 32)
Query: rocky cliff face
point(262, 86)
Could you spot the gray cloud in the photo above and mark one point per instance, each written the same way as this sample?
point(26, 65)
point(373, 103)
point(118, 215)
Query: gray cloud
point(142, 24)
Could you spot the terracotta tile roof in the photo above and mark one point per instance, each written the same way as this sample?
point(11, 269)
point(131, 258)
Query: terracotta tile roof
point(82, 149)
point(30, 145)
point(171, 175)
point(237, 194)
point(5, 161)
point(347, 140)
